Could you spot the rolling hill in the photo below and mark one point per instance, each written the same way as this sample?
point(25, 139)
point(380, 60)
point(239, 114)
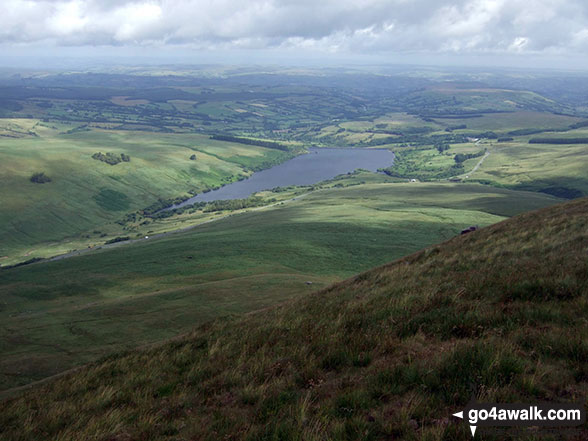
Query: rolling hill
point(86, 196)
point(60, 314)
point(391, 353)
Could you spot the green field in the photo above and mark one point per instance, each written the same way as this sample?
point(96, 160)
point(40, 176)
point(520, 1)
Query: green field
point(557, 169)
point(86, 194)
point(550, 168)
point(507, 122)
point(56, 315)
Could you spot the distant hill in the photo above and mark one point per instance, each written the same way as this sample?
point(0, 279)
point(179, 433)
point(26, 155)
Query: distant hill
point(499, 313)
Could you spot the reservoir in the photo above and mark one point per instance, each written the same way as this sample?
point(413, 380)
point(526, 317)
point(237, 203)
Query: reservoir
point(317, 165)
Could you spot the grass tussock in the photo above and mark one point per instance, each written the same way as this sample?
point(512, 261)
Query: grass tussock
point(499, 314)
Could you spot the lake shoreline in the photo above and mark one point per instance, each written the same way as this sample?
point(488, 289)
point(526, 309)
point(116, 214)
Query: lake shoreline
point(317, 165)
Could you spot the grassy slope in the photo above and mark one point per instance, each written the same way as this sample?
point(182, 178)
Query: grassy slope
point(389, 354)
point(56, 315)
point(537, 167)
point(86, 194)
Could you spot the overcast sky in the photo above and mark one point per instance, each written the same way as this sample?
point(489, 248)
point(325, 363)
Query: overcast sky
point(515, 31)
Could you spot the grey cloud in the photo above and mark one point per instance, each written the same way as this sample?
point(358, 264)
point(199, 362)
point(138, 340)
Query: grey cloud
point(460, 26)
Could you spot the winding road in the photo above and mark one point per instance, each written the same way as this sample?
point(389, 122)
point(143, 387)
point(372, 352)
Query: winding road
point(477, 166)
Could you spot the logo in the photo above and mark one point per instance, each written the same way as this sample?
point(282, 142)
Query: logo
point(522, 415)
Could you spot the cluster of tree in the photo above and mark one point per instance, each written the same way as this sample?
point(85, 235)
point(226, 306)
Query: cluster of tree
point(235, 204)
point(117, 239)
point(164, 214)
point(250, 141)
point(461, 157)
point(523, 132)
point(408, 164)
point(579, 125)
point(282, 189)
point(40, 178)
point(267, 164)
point(505, 139)
point(415, 173)
point(193, 158)
point(456, 127)
point(209, 207)
point(450, 115)
point(442, 147)
point(418, 140)
point(406, 131)
point(131, 217)
point(486, 135)
point(162, 204)
point(26, 262)
point(82, 128)
point(558, 141)
point(450, 112)
point(111, 158)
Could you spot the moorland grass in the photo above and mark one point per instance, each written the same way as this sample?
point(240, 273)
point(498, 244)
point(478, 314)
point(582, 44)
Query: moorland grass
point(59, 314)
point(498, 314)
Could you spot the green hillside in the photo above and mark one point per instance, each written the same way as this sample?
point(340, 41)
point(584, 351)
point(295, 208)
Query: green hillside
point(57, 315)
point(87, 195)
point(499, 313)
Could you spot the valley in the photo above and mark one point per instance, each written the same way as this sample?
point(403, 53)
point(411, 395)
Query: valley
point(136, 208)
point(505, 305)
point(117, 298)
point(57, 124)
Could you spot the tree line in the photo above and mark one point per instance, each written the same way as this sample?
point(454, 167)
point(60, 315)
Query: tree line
point(250, 141)
point(558, 141)
point(111, 158)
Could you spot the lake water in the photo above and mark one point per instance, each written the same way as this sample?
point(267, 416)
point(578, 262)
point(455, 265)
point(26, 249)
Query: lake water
point(315, 166)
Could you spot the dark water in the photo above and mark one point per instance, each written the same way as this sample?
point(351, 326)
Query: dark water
point(315, 166)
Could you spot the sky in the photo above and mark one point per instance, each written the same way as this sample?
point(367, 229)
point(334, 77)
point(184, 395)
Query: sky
point(537, 33)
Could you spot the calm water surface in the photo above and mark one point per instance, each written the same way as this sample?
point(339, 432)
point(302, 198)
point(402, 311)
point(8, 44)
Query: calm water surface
point(315, 166)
